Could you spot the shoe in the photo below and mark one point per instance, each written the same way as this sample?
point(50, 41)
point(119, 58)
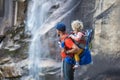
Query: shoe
point(76, 66)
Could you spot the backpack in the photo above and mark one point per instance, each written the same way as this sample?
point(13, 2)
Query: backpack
point(87, 34)
point(85, 57)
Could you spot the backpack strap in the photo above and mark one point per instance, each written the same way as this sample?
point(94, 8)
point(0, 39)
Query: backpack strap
point(89, 33)
point(62, 42)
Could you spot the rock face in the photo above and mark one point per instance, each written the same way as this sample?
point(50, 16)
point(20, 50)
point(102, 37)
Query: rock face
point(106, 49)
point(107, 29)
point(103, 16)
point(9, 69)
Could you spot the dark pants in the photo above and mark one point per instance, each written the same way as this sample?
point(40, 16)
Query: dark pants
point(68, 71)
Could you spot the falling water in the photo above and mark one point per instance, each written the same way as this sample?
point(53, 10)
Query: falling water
point(37, 25)
point(37, 15)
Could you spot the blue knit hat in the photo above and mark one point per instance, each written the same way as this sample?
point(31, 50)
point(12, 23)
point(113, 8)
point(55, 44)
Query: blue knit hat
point(61, 26)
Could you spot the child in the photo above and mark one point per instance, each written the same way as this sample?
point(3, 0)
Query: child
point(77, 26)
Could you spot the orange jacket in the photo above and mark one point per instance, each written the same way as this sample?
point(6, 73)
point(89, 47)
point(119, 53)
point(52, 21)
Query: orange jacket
point(68, 45)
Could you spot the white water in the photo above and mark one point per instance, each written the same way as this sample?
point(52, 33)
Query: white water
point(37, 18)
point(37, 15)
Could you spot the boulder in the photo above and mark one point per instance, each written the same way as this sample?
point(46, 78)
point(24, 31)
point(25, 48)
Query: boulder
point(11, 71)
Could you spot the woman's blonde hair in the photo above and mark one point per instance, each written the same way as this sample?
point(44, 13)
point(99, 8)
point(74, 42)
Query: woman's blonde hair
point(77, 25)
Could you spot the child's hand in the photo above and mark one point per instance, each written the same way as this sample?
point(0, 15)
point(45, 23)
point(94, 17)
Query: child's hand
point(63, 50)
point(70, 35)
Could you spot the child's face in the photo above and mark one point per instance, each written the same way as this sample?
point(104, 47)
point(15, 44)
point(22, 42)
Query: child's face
point(75, 31)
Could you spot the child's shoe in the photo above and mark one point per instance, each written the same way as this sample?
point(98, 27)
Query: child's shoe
point(76, 65)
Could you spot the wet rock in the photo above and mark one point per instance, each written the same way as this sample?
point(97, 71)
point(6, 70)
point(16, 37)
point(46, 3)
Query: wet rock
point(1, 38)
point(1, 74)
point(17, 37)
point(21, 0)
point(23, 64)
point(1, 45)
point(5, 60)
point(11, 71)
point(9, 43)
point(14, 70)
point(47, 67)
point(13, 48)
point(54, 7)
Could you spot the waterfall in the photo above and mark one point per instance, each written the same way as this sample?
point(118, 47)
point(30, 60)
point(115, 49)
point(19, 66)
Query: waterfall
point(36, 16)
point(38, 23)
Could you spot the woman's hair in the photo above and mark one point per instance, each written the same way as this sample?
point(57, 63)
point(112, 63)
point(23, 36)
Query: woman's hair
point(77, 25)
